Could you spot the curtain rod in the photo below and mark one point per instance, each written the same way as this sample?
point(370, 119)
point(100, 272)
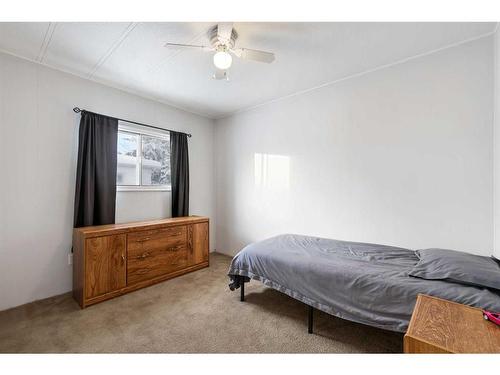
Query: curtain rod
point(78, 110)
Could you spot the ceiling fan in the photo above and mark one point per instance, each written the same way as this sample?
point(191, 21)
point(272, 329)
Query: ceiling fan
point(222, 40)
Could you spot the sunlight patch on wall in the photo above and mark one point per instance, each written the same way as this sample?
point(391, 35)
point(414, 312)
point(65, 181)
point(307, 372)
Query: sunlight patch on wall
point(272, 171)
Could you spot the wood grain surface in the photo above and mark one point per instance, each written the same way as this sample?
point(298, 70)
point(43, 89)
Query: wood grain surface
point(441, 326)
point(105, 264)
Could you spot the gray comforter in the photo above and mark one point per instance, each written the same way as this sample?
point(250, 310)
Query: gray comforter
point(365, 283)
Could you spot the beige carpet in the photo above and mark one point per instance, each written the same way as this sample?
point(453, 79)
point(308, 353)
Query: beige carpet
point(194, 313)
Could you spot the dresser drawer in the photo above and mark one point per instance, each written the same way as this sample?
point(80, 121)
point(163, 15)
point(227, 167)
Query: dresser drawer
point(165, 239)
point(170, 249)
point(148, 265)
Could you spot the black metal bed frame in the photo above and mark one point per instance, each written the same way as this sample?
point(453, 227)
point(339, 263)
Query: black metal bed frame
point(309, 314)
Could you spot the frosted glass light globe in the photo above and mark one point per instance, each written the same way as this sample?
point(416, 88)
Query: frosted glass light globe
point(222, 60)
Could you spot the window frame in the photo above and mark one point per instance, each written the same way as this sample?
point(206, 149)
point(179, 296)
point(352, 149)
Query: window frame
point(126, 127)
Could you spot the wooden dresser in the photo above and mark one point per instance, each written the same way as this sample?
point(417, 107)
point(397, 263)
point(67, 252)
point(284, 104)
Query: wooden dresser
point(110, 260)
point(440, 326)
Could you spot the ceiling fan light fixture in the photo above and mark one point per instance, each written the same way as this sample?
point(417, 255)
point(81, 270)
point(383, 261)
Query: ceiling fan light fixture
point(222, 39)
point(222, 60)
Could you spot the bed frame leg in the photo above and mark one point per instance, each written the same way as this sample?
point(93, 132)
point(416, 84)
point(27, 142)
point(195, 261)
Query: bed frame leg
point(242, 291)
point(310, 320)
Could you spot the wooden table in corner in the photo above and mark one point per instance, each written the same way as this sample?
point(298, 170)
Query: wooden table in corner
point(441, 326)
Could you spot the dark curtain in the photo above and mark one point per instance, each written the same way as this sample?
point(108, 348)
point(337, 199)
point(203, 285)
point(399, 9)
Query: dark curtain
point(95, 195)
point(179, 167)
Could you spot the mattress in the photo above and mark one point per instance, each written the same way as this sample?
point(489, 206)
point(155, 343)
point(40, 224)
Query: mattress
point(361, 282)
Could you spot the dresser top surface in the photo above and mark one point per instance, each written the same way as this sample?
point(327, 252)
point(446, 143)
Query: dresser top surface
point(453, 327)
point(139, 225)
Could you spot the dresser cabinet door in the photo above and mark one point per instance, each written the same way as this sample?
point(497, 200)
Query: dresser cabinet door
point(198, 243)
point(105, 265)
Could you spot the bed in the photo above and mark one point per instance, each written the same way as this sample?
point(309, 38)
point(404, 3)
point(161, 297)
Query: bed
point(360, 282)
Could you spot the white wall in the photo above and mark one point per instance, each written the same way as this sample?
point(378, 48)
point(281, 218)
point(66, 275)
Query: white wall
point(143, 205)
point(496, 142)
point(38, 148)
point(400, 156)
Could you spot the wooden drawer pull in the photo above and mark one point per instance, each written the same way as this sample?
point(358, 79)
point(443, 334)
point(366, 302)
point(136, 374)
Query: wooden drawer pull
point(174, 248)
point(143, 256)
point(143, 239)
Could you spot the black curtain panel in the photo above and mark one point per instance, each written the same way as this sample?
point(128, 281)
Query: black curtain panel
point(95, 195)
point(179, 167)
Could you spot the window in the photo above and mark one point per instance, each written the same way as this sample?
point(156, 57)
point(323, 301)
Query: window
point(143, 158)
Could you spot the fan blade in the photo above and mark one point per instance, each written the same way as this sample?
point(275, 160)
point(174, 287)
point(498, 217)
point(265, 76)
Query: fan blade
point(181, 46)
point(220, 74)
point(224, 31)
point(253, 54)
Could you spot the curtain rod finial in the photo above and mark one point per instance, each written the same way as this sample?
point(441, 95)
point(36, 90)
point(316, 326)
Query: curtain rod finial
point(76, 110)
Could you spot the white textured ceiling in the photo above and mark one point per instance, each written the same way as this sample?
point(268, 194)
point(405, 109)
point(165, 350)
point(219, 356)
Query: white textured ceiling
point(131, 56)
